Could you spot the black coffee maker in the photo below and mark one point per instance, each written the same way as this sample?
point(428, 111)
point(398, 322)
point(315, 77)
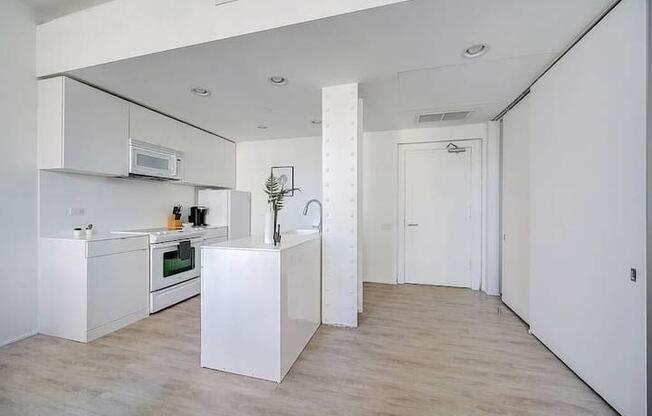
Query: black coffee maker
point(198, 216)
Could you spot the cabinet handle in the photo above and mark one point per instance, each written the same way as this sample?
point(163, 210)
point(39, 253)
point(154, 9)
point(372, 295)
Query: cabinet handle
point(413, 225)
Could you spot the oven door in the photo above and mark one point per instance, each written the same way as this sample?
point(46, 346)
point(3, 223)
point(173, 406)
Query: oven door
point(167, 268)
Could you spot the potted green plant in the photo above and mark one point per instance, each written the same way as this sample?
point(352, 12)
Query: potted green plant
point(275, 198)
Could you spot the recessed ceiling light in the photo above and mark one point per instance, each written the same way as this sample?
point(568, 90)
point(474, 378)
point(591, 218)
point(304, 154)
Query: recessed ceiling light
point(278, 80)
point(202, 92)
point(261, 127)
point(316, 122)
point(475, 50)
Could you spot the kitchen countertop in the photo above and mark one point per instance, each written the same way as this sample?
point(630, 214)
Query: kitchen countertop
point(256, 242)
point(92, 237)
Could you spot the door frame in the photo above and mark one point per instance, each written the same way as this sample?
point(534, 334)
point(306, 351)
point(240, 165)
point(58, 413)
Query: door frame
point(477, 208)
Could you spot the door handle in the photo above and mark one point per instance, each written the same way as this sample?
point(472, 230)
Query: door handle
point(413, 225)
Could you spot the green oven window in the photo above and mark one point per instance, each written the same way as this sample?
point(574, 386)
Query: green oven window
point(172, 264)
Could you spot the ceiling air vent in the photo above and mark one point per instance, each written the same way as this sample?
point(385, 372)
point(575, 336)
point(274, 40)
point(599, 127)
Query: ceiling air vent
point(435, 117)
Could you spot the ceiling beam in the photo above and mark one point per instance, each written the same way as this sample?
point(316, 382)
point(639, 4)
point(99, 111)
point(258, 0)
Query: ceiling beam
point(123, 29)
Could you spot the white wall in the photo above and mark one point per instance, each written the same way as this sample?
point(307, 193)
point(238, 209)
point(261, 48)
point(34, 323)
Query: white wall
point(253, 162)
point(122, 29)
point(379, 186)
point(516, 209)
point(380, 198)
point(109, 204)
point(18, 271)
point(587, 217)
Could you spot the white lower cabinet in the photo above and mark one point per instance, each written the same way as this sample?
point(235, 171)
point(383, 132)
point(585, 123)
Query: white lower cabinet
point(91, 287)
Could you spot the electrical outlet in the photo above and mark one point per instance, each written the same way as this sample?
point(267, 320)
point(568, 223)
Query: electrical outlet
point(632, 275)
point(76, 212)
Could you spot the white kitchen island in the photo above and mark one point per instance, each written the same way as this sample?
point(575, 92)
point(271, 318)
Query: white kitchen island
point(260, 304)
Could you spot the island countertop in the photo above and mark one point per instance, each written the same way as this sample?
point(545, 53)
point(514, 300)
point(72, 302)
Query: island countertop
point(256, 242)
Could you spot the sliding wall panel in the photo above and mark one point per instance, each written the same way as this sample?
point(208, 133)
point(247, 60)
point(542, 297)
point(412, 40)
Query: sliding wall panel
point(515, 209)
point(587, 216)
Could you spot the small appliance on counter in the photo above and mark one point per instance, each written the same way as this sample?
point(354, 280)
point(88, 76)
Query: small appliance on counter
point(198, 216)
point(78, 231)
point(227, 208)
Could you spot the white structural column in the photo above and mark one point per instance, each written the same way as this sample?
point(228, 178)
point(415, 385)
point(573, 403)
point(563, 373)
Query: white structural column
point(341, 135)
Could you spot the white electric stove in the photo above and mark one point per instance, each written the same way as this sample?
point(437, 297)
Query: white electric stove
point(175, 262)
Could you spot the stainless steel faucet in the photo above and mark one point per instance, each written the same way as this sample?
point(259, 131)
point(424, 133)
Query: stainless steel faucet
point(305, 211)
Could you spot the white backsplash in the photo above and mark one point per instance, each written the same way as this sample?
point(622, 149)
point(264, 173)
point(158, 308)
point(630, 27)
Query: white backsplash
point(109, 204)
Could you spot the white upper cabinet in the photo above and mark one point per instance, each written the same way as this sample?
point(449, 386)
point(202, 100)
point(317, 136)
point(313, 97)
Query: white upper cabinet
point(85, 130)
point(207, 159)
point(152, 127)
point(81, 129)
point(229, 164)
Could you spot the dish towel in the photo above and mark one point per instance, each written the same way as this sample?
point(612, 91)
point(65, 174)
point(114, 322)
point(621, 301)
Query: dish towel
point(185, 250)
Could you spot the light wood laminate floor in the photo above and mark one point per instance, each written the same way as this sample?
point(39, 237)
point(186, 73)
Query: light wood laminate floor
point(418, 351)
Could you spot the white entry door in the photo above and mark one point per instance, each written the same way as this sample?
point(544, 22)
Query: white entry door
point(441, 199)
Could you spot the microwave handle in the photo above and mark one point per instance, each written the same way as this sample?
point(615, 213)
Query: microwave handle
point(178, 167)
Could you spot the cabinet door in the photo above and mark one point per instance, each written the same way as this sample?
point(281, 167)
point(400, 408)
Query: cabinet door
point(118, 285)
point(229, 164)
point(151, 127)
point(193, 148)
point(204, 158)
point(95, 131)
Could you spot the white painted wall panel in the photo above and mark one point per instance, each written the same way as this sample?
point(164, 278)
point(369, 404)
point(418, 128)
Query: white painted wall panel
point(491, 211)
point(110, 204)
point(380, 185)
point(587, 223)
point(515, 285)
point(254, 160)
point(340, 154)
point(18, 179)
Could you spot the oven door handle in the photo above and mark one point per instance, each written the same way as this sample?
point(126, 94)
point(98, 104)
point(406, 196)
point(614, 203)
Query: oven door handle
point(193, 241)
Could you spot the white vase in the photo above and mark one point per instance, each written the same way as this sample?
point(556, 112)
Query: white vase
point(269, 227)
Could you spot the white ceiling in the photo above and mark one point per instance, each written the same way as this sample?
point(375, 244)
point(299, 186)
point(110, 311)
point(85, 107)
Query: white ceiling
point(51, 9)
point(407, 58)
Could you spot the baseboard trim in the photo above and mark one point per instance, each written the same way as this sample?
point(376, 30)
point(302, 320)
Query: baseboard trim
point(384, 282)
point(18, 338)
point(579, 377)
point(109, 327)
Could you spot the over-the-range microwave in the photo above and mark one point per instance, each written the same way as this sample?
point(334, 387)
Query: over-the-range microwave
point(154, 161)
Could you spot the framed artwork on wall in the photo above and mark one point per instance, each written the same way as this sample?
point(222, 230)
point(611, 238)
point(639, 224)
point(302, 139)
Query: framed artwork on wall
point(285, 175)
